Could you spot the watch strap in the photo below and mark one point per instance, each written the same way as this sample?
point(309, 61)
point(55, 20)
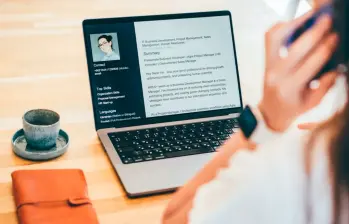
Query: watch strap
point(254, 127)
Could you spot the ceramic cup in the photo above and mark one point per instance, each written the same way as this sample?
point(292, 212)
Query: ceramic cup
point(41, 128)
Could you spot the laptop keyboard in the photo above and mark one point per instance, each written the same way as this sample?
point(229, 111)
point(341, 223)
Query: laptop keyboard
point(171, 141)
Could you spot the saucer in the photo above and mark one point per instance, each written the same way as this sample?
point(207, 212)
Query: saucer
point(20, 147)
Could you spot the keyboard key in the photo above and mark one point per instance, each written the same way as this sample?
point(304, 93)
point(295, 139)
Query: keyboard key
point(188, 141)
point(135, 143)
point(140, 147)
point(137, 153)
point(210, 133)
point(138, 159)
point(123, 156)
point(158, 151)
point(229, 126)
point(165, 144)
point(147, 152)
point(187, 147)
point(147, 157)
point(182, 132)
point(159, 145)
point(173, 132)
point(162, 139)
point(176, 148)
point(183, 137)
point(191, 135)
point(179, 142)
point(220, 132)
point(144, 142)
point(205, 144)
point(153, 140)
point(201, 135)
point(196, 146)
point(159, 156)
point(215, 143)
point(171, 143)
point(173, 138)
point(167, 149)
point(213, 138)
point(136, 137)
point(127, 160)
point(122, 144)
point(116, 139)
point(126, 149)
point(149, 146)
point(200, 129)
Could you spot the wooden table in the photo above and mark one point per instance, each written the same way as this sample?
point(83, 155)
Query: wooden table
point(43, 65)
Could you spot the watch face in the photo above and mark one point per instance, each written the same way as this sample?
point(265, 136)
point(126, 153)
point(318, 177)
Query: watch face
point(247, 122)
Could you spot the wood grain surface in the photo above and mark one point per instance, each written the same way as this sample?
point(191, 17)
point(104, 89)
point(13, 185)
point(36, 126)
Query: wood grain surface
point(43, 65)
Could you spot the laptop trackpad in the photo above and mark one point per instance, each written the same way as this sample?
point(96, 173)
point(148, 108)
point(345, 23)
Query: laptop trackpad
point(161, 175)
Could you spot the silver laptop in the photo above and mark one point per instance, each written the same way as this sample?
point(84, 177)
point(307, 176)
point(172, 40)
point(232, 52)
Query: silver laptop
point(165, 92)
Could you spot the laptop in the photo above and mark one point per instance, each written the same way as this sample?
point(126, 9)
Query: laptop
point(166, 94)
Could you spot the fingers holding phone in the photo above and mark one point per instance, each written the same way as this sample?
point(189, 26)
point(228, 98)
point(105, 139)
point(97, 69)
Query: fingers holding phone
point(275, 37)
point(310, 40)
point(310, 46)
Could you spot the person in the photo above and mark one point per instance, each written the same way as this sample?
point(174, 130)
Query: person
point(105, 44)
point(294, 176)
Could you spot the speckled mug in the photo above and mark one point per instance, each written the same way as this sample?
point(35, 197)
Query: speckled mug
point(41, 128)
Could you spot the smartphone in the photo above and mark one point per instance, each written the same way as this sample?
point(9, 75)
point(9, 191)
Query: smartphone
point(326, 9)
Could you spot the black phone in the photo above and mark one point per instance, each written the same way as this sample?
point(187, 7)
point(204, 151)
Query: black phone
point(326, 9)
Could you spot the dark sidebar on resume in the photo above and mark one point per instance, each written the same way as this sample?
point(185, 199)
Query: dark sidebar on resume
point(116, 84)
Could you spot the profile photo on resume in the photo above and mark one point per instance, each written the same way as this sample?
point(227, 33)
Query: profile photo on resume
point(105, 47)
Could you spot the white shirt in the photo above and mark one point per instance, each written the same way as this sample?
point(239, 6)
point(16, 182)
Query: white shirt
point(269, 185)
point(266, 186)
point(111, 57)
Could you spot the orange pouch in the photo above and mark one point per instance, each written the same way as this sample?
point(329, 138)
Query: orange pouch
point(52, 197)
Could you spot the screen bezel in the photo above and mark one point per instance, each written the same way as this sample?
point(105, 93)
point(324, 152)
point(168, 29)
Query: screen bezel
point(168, 118)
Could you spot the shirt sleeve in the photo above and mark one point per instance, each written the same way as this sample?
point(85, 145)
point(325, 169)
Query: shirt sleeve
point(262, 186)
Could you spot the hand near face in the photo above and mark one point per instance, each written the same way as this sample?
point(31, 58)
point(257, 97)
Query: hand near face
point(286, 85)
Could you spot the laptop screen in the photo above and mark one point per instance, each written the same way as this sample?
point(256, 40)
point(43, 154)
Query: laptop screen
point(153, 69)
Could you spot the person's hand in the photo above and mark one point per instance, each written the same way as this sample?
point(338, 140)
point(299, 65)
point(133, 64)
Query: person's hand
point(286, 92)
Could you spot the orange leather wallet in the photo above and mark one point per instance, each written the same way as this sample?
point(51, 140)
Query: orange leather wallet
point(52, 196)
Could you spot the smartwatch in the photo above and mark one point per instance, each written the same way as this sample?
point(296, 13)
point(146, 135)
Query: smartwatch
point(253, 126)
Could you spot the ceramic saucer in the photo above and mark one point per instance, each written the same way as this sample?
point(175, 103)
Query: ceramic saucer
point(20, 147)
